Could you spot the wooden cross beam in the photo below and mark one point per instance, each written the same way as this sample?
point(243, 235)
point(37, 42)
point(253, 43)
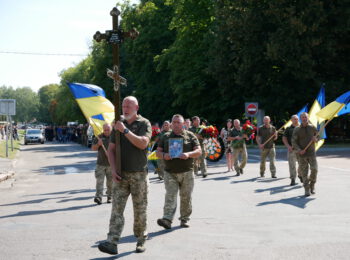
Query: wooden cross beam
point(115, 37)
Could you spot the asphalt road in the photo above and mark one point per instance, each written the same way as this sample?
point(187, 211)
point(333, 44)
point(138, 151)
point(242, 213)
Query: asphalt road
point(47, 211)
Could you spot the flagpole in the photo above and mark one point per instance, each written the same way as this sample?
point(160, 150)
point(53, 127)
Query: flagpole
point(273, 135)
point(104, 148)
point(319, 132)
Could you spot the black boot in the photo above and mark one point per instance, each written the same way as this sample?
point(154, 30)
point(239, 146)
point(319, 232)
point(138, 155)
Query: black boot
point(292, 183)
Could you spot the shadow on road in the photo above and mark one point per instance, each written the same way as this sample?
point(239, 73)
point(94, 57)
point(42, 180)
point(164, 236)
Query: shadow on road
point(40, 212)
point(298, 201)
point(279, 189)
point(70, 192)
point(31, 201)
point(132, 239)
point(81, 167)
point(246, 180)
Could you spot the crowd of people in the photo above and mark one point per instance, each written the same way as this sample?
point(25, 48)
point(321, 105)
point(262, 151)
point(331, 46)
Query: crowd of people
point(5, 130)
point(181, 155)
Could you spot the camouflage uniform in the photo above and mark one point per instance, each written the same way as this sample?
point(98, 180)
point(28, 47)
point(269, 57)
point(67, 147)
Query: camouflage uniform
point(173, 183)
point(269, 149)
point(160, 162)
point(200, 162)
point(102, 168)
point(293, 157)
point(136, 184)
point(134, 181)
point(302, 135)
point(178, 177)
point(237, 150)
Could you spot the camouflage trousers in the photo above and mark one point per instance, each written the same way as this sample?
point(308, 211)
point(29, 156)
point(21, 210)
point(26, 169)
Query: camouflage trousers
point(100, 173)
point(304, 163)
point(293, 158)
point(271, 153)
point(244, 156)
point(201, 162)
point(161, 166)
point(182, 183)
point(136, 184)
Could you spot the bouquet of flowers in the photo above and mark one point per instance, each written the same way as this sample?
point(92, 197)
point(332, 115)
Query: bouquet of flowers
point(249, 130)
point(155, 132)
point(208, 131)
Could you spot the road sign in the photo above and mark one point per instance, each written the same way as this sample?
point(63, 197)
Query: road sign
point(251, 109)
point(8, 107)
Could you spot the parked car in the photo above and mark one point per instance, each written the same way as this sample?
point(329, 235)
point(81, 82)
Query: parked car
point(34, 136)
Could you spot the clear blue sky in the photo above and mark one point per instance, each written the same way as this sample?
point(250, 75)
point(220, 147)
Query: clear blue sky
point(44, 26)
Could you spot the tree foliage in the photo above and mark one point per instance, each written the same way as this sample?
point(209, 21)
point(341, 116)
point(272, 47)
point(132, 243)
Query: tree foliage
point(27, 102)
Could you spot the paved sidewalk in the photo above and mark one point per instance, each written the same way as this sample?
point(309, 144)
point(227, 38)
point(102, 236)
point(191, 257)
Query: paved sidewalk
point(6, 169)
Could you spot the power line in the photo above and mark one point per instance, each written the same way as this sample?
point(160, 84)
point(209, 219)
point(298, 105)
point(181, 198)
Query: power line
point(42, 53)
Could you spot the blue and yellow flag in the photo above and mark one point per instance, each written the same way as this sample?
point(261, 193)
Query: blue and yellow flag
point(92, 101)
point(318, 104)
point(336, 107)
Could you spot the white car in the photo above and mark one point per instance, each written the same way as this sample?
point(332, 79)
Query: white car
point(34, 136)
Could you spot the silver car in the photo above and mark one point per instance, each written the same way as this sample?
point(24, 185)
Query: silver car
point(34, 136)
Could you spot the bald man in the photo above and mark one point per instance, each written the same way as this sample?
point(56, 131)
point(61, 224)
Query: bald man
point(135, 134)
point(267, 148)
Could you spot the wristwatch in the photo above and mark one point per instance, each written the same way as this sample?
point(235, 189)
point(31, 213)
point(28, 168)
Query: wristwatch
point(126, 131)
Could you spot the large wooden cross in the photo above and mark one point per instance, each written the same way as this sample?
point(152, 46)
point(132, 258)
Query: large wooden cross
point(115, 37)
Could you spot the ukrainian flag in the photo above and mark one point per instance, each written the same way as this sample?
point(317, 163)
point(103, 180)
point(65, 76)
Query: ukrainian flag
point(318, 122)
point(92, 101)
point(338, 107)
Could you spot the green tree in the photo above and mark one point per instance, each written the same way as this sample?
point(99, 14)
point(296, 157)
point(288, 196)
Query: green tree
point(47, 98)
point(27, 102)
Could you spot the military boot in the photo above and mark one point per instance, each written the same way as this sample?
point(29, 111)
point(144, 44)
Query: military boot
point(312, 188)
point(165, 223)
point(140, 246)
point(108, 247)
point(292, 183)
point(307, 191)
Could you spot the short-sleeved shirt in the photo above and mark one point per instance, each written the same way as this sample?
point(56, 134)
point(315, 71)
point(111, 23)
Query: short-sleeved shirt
point(265, 133)
point(302, 136)
point(196, 130)
point(288, 133)
point(235, 132)
point(177, 165)
point(134, 159)
point(101, 154)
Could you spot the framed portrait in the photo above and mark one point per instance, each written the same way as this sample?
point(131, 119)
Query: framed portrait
point(175, 147)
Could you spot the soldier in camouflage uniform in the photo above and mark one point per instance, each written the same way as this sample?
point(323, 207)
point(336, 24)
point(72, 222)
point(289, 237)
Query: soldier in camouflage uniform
point(103, 169)
point(237, 139)
point(200, 161)
point(160, 162)
point(136, 132)
point(293, 157)
point(178, 177)
point(302, 136)
point(267, 150)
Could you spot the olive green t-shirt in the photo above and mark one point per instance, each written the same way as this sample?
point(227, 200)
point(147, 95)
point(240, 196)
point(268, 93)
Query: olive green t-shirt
point(189, 141)
point(134, 159)
point(302, 136)
point(288, 133)
point(237, 143)
point(196, 130)
point(101, 154)
point(265, 133)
